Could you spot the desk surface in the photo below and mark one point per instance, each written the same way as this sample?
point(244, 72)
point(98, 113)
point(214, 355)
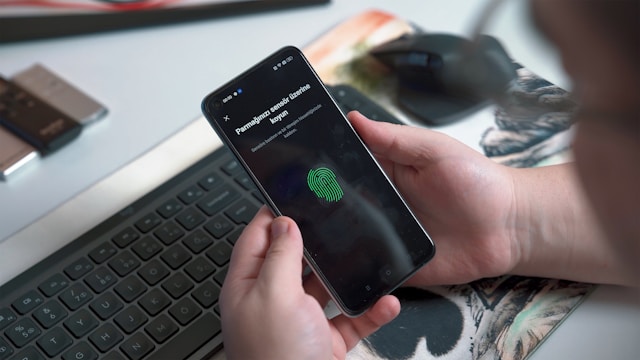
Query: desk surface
point(153, 80)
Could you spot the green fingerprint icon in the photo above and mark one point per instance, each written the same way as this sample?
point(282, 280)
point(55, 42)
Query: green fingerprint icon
point(323, 183)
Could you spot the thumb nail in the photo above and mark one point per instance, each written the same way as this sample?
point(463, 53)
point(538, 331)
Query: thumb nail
point(279, 227)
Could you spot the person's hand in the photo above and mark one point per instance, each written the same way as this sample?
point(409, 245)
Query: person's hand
point(464, 200)
point(267, 311)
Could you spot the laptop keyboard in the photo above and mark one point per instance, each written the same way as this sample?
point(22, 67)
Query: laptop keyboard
point(143, 284)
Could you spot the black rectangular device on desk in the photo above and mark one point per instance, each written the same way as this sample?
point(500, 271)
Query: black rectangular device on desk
point(35, 121)
point(143, 284)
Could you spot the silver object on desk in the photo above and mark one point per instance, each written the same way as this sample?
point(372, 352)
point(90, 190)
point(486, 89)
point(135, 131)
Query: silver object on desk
point(14, 154)
point(61, 94)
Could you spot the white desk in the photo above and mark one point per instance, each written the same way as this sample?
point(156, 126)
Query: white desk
point(153, 80)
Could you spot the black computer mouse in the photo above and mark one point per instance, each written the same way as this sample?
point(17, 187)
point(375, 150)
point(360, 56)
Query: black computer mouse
point(441, 76)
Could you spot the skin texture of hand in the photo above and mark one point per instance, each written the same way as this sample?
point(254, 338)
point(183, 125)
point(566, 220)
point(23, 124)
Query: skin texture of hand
point(464, 200)
point(487, 219)
point(267, 311)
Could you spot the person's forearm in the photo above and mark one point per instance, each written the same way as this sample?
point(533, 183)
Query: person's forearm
point(557, 233)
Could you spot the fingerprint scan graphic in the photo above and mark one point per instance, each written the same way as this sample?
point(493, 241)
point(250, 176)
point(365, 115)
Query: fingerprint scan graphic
point(322, 181)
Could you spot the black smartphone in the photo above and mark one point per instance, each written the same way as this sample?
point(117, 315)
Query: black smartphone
point(360, 237)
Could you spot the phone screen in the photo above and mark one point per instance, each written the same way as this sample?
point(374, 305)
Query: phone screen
point(360, 237)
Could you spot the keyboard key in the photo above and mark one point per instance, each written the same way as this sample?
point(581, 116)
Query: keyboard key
point(27, 302)
point(54, 341)
point(153, 272)
point(137, 346)
point(210, 181)
point(22, 332)
point(130, 319)
point(218, 199)
point(169, 208)
point(114, 355)
point(50, 314)
point(80, 323)
point(245, 181)
point(207, 294)
point(146, 247)
point(54, 284)
point(106, 305)
point(169, 233)
point(175, 256)
point(6, 317)
point(220, 275)
point(100, 279)
point(5, 349)
point(191, 194)
point(219, 226)
point(161, 328)
point(190, 339)
point(185, 311)
point(78, 268)
point(124, 263)
point(232, 167)
point(126, 237)
point(130, 288)
point(190, 218)
point(28, 353)
point(154, 302)
point(242, 211)
point(148, 222)
point(81, 351)
point(103, 252)
point(199, 269)
point(106, 337)
point(258, 196)
point(220, 253)
point(76, 296)
point(233, 237)
point(197, 241)
point(177, 285)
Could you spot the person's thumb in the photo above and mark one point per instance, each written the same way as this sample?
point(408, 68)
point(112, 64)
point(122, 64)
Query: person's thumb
point(283, 261)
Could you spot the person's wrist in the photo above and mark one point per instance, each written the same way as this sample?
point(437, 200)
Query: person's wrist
point(521, 225)
point(549, 235)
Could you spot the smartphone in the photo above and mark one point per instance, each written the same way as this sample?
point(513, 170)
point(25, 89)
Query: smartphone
point(360, 237)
